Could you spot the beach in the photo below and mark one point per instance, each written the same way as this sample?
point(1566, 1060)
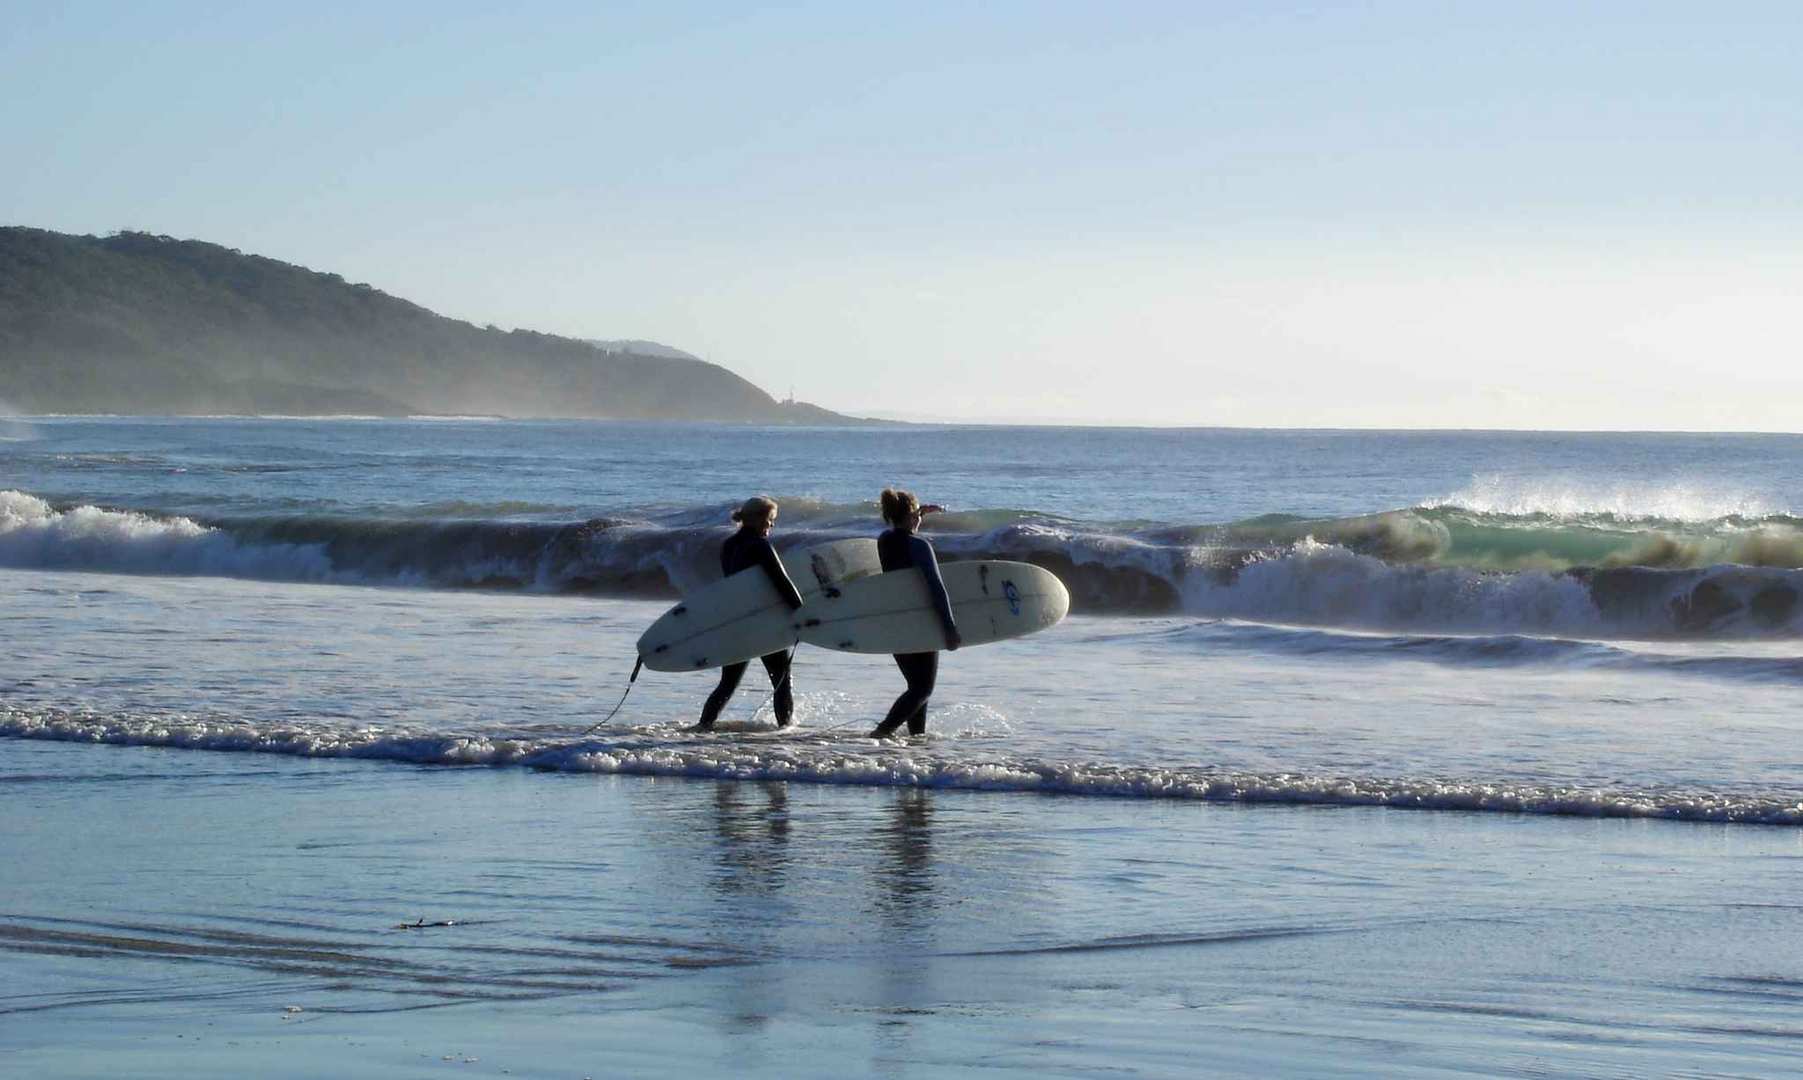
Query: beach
point(173, 914)
point(834, 540)
point(307, 768)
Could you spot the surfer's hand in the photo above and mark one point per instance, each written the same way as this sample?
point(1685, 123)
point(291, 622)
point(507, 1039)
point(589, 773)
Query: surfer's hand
point(953, 639)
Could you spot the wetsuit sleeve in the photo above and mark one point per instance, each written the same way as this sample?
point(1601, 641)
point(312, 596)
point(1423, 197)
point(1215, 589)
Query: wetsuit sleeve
point(779, 577)
point(922, 553)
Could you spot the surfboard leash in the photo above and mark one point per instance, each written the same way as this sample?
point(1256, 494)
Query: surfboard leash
point(631, 681)
point(778, 685)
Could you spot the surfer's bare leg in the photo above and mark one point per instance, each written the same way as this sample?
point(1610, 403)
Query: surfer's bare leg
point(922, 671)
point(729, 681)
point(776, 665)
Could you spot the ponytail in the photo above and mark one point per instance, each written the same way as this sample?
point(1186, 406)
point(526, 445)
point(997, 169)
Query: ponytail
point(898, 505)
point(755, 508)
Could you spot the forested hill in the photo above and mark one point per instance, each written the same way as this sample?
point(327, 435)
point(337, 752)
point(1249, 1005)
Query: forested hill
point(136, 323)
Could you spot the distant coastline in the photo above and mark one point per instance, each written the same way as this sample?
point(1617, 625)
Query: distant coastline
point(139, 324)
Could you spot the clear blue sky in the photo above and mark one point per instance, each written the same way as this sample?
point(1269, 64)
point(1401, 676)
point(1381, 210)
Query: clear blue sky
point(1517, 215)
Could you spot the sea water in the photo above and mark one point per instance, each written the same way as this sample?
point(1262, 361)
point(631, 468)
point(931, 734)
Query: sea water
point(1551, 625)
point(1555, 623)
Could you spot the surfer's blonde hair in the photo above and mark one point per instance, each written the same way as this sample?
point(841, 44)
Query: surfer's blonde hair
point(756, 508)
point(899, 505)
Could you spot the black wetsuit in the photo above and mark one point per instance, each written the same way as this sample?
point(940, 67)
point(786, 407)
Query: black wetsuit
point(742, 551)
point(899, 549)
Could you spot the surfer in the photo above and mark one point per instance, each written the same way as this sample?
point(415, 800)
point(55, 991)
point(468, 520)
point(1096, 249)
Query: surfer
point(743, 550)
point(900, 548)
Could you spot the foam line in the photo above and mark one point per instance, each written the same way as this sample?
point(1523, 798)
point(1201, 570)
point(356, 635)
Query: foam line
point(825, 758)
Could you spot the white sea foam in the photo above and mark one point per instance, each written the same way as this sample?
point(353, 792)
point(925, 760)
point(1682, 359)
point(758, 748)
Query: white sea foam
point(36, 536)
point(1326, 582)
point(1319, 583)
point(1309, 581)
point(1565, 499)
point(828, 757)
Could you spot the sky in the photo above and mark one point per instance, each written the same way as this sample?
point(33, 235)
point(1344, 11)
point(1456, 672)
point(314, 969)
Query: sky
point(1441, 215)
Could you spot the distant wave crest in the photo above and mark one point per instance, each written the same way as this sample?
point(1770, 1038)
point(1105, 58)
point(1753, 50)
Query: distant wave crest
point(1429, 569)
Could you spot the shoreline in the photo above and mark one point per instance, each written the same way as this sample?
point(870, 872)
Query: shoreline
point(661, 752)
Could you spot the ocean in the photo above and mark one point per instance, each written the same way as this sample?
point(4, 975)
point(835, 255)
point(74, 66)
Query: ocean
point(1361, 753)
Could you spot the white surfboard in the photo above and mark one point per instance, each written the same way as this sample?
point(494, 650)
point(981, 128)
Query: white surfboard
point(894, 613)
point(744, 616)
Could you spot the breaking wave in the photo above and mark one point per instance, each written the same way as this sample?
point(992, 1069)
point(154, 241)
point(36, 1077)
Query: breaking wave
point(829, 757)
point(1441, 568)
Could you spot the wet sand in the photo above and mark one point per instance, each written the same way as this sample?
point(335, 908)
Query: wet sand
point(186, 913)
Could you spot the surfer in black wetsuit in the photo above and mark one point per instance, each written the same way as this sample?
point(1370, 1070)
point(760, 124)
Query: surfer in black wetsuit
point(743, 550)
point(898, 549)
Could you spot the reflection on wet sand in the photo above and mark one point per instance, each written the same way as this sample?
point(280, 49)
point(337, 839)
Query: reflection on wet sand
point(904, 900)
point(752, 856)
point(751, 863)
point(904, 877)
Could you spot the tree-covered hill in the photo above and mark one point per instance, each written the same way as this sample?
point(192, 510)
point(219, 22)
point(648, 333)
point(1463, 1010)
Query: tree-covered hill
point(136, 323)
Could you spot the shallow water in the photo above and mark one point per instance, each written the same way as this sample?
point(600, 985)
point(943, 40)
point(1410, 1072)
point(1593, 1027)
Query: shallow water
point(1163, 708)
point(166, 910)
point(343, 675)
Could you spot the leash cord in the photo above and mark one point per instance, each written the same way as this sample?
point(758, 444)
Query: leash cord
point(630, 683)
point(778, 685)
